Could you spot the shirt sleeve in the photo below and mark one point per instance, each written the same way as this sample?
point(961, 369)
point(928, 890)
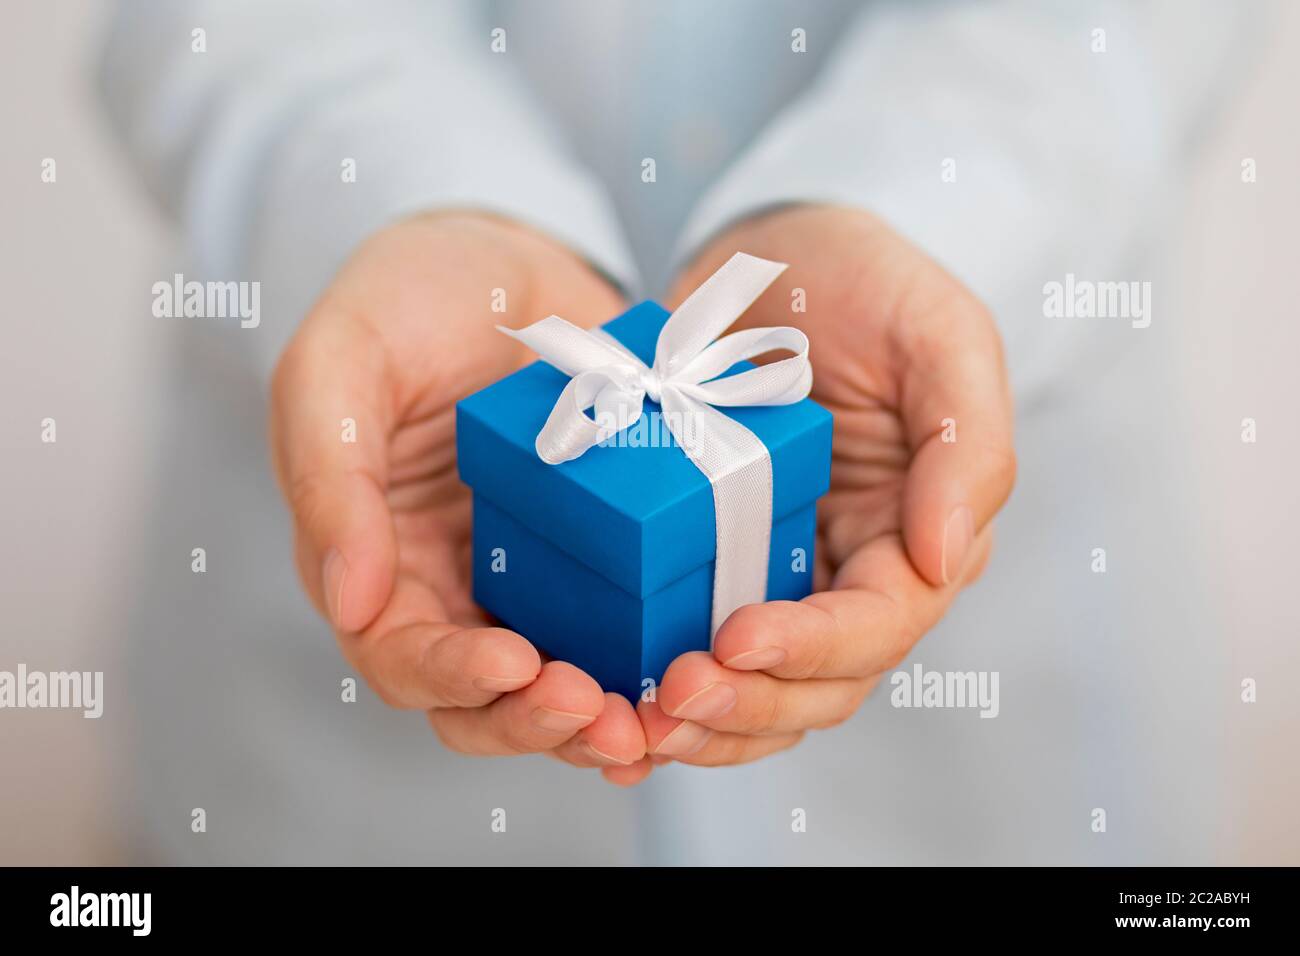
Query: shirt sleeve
point(1013, 141)
point(303, 126)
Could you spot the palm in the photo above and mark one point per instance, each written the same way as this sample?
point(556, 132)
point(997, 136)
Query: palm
point(871, 303)
point(868, 470)
point(428, 291)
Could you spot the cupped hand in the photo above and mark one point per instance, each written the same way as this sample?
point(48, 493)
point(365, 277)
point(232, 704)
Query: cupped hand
point(911, 365)
point(382, 523)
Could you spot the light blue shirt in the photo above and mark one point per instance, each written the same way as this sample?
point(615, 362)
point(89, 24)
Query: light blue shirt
point(1057, 154)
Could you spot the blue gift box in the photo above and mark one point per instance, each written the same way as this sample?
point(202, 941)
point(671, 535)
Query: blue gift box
point(606, 561)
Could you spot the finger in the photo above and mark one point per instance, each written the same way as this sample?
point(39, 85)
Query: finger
point(543, 715)
point(724, 750)
point(412, 658)
point(332, 473)
point(629, 776)
point(878, 609)
point(957, 410)
point(694, 744)
point(615, 739)
point(667, 736)
point(697, 688)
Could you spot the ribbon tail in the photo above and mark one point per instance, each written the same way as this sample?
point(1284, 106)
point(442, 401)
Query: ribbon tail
point(739, 468)
point(569, 348)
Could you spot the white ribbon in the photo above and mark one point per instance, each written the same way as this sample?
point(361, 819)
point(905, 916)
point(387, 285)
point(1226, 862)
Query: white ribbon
point(684, 382)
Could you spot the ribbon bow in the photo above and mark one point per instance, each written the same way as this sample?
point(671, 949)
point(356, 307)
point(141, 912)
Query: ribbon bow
point(684, 381)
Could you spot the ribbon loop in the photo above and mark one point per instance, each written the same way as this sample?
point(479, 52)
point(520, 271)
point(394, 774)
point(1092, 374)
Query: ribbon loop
point(710, 309)
point(684, 381)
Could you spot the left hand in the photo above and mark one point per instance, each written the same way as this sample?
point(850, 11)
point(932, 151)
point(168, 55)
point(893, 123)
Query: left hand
point(902, 353)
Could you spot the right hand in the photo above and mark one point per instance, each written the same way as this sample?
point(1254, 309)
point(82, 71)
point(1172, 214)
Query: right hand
point(382, 525)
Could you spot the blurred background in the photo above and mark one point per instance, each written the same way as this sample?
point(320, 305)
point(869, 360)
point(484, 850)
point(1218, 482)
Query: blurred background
point(76, 266)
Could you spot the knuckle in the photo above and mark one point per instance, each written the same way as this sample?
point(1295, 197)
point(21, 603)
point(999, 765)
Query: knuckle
point(817, 654)
point(900, 635)
point(514, 735)
point(444, 735)
point(308, 498)
point(817, 658)
point(516, 739)
point(769, 712)
point(839, 716)
point(438, 664)
point(720, 750)
point(377, 687)
point(848, 707)
point(895, 655)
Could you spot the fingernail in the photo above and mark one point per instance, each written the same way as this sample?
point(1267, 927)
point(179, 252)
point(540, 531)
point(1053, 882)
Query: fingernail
point(501, 685)
point(958, 534)
point(559, 721)
point(711, 701)
point(758, 659)
point(334, 572)
point(602, 756)
point(684, 740)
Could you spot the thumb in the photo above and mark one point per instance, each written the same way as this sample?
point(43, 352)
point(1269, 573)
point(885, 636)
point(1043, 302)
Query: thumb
point(329, 433)
point(957, 412)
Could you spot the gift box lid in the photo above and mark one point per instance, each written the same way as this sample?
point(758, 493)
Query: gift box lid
point(639, 515)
